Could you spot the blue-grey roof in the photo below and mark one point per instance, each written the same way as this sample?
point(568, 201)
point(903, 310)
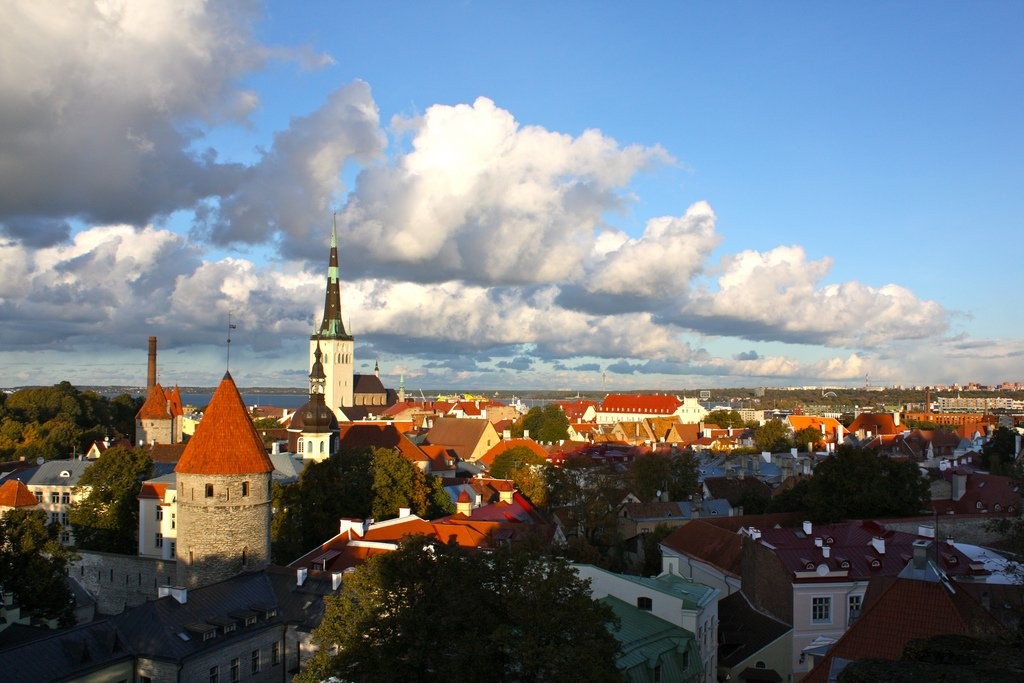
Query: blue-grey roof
point(51, 472)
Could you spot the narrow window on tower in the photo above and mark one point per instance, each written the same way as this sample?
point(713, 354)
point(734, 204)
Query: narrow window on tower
point(209, 490)
point(245, 488)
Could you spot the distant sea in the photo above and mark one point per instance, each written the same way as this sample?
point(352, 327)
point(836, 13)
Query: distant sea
point(273, 400)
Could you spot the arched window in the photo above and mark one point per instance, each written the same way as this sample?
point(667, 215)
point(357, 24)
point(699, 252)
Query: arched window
point(300, 445)
point(322, 446)
point(309, 446)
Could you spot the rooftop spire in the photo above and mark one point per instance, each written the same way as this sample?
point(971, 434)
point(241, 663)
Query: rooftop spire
point(332, 326)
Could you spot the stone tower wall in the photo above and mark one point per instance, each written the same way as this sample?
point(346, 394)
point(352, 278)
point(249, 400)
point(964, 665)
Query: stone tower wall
point(224, 534)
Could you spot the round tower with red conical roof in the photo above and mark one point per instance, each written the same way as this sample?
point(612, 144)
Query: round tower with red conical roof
point(224, 498)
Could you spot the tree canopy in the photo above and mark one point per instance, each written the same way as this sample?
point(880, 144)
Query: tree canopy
point(107, 519)
point(33, 564)
point(526, 469)
point(504, 615)
point(59, 421)
point(772, 436)
point(724, 419)
point(859, 483)
point(998, 455)
point(547, 424)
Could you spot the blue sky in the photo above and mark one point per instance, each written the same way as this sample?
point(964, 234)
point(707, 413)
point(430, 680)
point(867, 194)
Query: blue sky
point(655, 195)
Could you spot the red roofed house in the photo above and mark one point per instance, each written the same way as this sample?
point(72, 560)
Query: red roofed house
point(920, 603)
point(634, 407)
point(467, 438)
point(975, 493)
point(14, 494)
point(871, 425)
point(830, 429)
point(223, 488)
point(161, 418)
point(815, 577)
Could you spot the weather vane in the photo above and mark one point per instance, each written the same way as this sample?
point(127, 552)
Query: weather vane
point(230, 327)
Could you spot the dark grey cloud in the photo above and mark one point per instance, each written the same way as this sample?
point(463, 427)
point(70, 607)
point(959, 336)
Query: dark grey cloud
point(747, 355)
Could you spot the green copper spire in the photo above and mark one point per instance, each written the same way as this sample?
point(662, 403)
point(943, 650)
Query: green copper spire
point(332, 326)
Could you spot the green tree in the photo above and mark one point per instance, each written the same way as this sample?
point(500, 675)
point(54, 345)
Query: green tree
point(807, 435)
point(398, 483)
point(526, 469)
point(998, 454)
point(725, 419)
point(511, 615)
point(107, 519)
point(859, 483)
point(649, 475)
point(266, 423)
point(33, 564)
point(548, 424)
point(590, 496)
point(772, 436)
point(683, 481)
point(652, 550)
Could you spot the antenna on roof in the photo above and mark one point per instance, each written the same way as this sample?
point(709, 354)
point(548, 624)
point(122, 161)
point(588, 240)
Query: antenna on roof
point(230, 327)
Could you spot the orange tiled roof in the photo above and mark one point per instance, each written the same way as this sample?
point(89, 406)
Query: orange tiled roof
point(14, 494)
point(155, 407)
point(225, 441)
point(153, 490)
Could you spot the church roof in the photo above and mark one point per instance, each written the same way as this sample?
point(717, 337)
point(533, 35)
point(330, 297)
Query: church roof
point(225, 441)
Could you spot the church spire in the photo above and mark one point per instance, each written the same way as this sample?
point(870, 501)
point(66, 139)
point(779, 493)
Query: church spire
point(332, 326)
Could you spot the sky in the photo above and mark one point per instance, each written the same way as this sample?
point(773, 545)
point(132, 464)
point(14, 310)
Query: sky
point(560, 195)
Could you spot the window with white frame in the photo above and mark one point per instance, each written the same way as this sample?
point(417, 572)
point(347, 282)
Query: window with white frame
point(54, 497)
point(159, 513)
point(65, 498)
point(821, 610)
point(158, 540)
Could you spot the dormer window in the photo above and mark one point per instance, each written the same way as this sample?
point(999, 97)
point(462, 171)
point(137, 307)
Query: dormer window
point(875, 564)
point(65, 474)
point(644, 603)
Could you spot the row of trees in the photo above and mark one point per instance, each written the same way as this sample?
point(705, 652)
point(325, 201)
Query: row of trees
point(58, 421)
point(357, 484)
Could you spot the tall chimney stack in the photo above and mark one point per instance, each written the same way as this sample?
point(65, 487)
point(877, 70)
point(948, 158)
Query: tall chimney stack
point(151, 377)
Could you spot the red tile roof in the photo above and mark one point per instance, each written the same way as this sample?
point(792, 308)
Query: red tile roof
point(225, 441)
point(379, 435)
point(161, 404)
point(660, 404)
point(14, 494)
point(153, 490)
point(708, 543)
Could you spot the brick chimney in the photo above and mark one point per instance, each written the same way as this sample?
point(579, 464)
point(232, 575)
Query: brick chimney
point(151, 375)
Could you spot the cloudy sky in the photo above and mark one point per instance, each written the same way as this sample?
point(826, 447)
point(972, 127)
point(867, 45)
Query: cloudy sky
point(533, 194)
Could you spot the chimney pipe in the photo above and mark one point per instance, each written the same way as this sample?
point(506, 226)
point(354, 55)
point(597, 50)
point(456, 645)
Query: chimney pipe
point(921, 553)
point(151, 376)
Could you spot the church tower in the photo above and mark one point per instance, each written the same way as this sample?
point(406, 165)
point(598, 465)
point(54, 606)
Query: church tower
point(313, 432)
point(336, 345)
point(223, 490)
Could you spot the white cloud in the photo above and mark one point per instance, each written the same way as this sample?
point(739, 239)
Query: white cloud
point(482, 199)
point(777, 295)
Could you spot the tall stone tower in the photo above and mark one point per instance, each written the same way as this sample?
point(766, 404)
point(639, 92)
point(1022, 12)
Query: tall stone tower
point(223, 485)
point(337, 346)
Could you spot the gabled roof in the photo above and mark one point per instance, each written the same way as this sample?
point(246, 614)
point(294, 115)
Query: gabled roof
point(161, 404)
point(460, 434)
point(164, 452)
point(225, 442)
point(734, 488)
point(798, 422)
point(876, 423)
point(708, 543)
point(14, 494)
point(379, 435)
point(367, 384)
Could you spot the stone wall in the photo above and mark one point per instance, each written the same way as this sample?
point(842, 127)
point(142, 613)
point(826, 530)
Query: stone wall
point(225, 533)
point(120, 581)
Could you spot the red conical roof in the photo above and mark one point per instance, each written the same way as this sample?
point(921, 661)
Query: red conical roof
point(225, 442)
point(15, 494)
